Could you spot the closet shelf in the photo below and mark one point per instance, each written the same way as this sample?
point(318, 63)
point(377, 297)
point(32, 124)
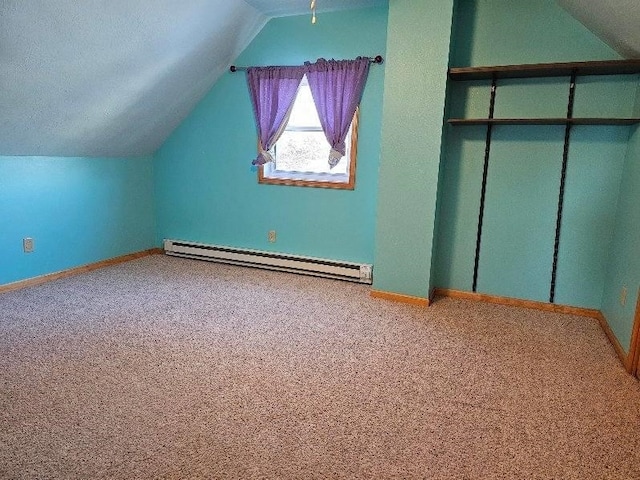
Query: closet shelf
point(608, 67)
point(543, 121)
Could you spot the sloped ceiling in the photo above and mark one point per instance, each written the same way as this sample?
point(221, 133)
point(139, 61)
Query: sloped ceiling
point(110, 77)
point(116, 77)
point(617, 22)
point(281, 8)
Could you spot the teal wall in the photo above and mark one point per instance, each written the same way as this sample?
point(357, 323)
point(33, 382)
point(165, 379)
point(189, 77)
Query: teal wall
point(414, 94)
point(504, 32)
point(77, 210)
point(624, 252)
point(524, 172)
point(206, 189)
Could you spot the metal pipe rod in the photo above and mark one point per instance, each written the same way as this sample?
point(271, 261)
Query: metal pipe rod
point(563, 177)
point(483, 190)
point(377, 59)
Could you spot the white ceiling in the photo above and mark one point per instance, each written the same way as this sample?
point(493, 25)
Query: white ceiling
point(281, 8)
point(116, 77)
point(617, 22)
point(110, 77)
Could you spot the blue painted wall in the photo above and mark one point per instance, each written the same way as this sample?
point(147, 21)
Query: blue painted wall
point(414, 96)
point(77, 210)
point(624, 252)
point(206, 189)
point(504, 32)
point(524, 173)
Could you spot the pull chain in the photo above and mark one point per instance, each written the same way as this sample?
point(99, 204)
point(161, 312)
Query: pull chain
point(313, 12)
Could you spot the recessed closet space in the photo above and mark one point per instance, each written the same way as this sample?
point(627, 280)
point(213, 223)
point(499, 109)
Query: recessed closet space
point(511, 223)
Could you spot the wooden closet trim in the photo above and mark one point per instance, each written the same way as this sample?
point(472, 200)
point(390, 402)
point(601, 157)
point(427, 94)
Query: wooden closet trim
point(634, 351)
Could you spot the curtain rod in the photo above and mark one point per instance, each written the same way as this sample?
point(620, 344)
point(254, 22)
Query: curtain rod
point(376, 59)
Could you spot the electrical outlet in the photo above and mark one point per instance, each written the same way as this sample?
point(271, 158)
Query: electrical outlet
point(365, 272)
point(272, 236)
point(27, 245)
point(623, 296)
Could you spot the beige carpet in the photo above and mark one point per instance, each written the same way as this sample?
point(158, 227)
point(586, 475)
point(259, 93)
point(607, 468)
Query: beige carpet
point(169, 368)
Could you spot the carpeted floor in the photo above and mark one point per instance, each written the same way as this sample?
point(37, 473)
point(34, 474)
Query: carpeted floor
point(169, 368)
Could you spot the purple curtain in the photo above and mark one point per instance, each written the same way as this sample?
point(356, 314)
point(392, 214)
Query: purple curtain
point(336, 87)
point(272, 90)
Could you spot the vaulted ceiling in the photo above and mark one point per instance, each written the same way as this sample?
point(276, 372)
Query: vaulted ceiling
point(110, 77)
point(116, 77)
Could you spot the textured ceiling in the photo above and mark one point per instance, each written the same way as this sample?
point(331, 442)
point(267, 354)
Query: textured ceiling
point(617, 22)
point(110, 77)
point(279, 8)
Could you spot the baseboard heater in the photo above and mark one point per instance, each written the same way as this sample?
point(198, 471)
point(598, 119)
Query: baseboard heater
point(354, 272)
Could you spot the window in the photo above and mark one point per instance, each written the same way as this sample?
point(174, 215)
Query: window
point(301, 153)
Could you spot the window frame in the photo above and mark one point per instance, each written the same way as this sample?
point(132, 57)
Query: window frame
point(322, 181)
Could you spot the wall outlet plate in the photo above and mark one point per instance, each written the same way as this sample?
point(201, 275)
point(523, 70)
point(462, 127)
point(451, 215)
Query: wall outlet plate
point(365, 272)
point(27, 245)
point(271, 236)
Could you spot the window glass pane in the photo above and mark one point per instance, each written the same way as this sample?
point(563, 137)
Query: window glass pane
point(303, 113)
point(306, 152)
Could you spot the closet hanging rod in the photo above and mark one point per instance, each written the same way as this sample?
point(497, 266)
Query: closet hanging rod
point(377, 59)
